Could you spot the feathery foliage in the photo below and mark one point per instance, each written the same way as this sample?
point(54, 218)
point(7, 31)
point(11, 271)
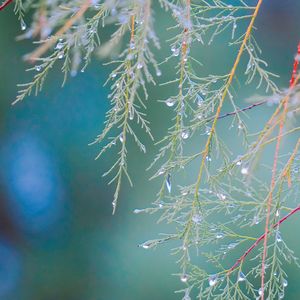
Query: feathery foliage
point(210, 214)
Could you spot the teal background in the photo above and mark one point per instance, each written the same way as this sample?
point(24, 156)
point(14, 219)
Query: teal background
point(88, 253)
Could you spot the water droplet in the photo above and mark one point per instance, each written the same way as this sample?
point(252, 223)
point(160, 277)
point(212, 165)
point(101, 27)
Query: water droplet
point(38, 68)
point(232, 246)
point(245, 171)
point(281, 295)
point(185, 134)
point(219, 235)
point(131, 115)
point(113, 75)
point(23, 25)
point(197, 219)
point(239, 162)
point(176, 52)
point(139, 65)
point(207, 130)
point(158, 73)
point(132, 45)
point(277, 213)
point(260, 292)
point(137, 211)
point(278, 237)
point(241, 277)
point(59, 46)
point(284, 283)
point(146, 245)
point(213, 279)
point(208, 158)
point(184, 278)
point(170, 102)
point(161, 171)
point(221, 196)
point(249, 66)
point(121, 138)
point(184, 193)
point(168, 183)
point(61, 55)
point(173, 49)
point(255, 220)
point(160, 204)
point(199, 99)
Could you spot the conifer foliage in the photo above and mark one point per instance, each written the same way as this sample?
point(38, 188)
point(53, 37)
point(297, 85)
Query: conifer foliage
point(210, 212)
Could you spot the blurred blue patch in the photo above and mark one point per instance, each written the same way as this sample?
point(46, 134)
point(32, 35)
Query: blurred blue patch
point(10, 268)
point(32, 182)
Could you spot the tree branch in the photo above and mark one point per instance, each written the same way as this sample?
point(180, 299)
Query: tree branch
point(274, 171)
point(237, 263)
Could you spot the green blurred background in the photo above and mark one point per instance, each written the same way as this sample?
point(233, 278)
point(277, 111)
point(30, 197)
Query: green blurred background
point(58, 239)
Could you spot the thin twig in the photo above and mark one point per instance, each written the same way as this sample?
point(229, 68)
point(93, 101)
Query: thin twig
point(4, 4)
point(232, 113)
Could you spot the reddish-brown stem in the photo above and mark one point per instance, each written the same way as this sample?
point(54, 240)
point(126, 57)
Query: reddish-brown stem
point(274, 170)
point(296, 64)
point(4, 4)
point(249, 250)
point(132, 28)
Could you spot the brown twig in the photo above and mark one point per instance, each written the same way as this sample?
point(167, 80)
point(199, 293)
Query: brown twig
point(232, 113)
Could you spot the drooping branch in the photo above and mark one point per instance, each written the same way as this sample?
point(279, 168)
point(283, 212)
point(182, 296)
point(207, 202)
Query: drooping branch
point(274, 171)
point(223, 97)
